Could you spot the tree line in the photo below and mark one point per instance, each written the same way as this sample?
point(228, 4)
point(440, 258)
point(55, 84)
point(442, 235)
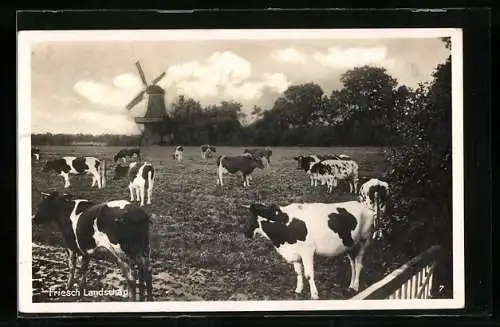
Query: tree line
point(362, 112)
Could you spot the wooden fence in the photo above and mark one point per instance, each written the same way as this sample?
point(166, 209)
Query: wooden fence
point(413, 280)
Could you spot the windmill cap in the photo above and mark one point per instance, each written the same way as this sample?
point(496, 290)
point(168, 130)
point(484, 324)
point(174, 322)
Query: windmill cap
point(154, 89)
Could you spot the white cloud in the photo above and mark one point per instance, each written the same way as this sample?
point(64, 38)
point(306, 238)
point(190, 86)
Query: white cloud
point(289, 55)
point(127, 81)
point(351, 57)
point(277, 81)
point(119, 94)
point(225, 75)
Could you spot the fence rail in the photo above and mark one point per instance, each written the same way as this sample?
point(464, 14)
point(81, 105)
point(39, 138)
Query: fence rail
point(413, 280)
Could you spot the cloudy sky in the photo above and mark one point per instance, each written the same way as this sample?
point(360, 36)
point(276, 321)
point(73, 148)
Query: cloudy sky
point(84, 86)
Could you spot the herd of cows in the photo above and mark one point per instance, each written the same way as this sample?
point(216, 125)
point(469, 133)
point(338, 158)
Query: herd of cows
point(298, 231)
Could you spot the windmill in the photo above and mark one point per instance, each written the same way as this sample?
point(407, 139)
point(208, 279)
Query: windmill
point(154, 119)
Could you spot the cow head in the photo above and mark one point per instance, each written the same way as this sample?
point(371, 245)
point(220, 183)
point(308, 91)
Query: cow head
point(270, 212)
point(50, 206)
point(259, 162)
point(120, 171)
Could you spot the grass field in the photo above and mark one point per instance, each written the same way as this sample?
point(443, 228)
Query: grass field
point(198, 249)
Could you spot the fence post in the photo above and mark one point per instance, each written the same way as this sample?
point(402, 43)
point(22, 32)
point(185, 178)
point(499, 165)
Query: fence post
point(103, 174)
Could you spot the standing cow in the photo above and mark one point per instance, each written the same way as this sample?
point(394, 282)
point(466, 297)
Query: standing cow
point(177, 155)
point(124, 153)
point(375, 195)
point(331, 171)
point(35, 152)
point(207, 150)
point(245, 164)
point(76, 166)
point(118, 228)
point(141, 180)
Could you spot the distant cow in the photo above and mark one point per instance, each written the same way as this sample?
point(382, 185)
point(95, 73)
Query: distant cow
point(245, 164)
point(35, 152)
point(141, 179)
point(299, 231)
point(261, 153)
point(124, 153)
point(207, 150)
point(375, 195)
point(76, 166)
point(331, 171)
point(177, 155)
point(306, 162)
point(116, 228)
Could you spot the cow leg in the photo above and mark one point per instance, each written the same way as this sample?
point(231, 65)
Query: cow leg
point(358, 264)
point(72, 268)
point(308, 262)
point(145, 278)
point(150, 190)
point(143, 191)
point(353, 270)
point(131, 189)
point(297, 266)
point(66, 179)
point(220, 173)
point(83, 273)
point(137, 193)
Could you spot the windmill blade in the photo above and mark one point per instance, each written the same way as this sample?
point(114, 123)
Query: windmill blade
point(138, 64)
point(136, 100)
point(156, 80)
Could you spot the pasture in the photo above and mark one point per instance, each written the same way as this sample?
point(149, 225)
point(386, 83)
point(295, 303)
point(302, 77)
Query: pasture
point(198, 249)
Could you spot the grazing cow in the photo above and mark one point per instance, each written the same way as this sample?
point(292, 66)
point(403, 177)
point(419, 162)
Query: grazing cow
point(124, 153)
point(306, 162)
point(76, 166)
point(177, 155)
point(261, 153)
point(207, 149)
point(35, 152)
point(298, 231)
point(331, 171)
point(117, 228)
point(375, 195)
point(245, 163)
point(141, 179)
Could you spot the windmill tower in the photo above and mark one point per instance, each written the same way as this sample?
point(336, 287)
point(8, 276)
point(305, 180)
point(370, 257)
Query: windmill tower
point(154, 119)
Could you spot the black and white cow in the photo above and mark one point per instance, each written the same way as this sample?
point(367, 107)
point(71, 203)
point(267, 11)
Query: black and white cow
point(141, 179)
point(306, 162)
point(331, 171)
point(375, 195)
point(207, 150)
point(117, 228)
point(261, 153)
point(124, 153)
point(299, 231)
point(245, 164)
point(35, 152)
point(177, 155)
point(76, 166)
